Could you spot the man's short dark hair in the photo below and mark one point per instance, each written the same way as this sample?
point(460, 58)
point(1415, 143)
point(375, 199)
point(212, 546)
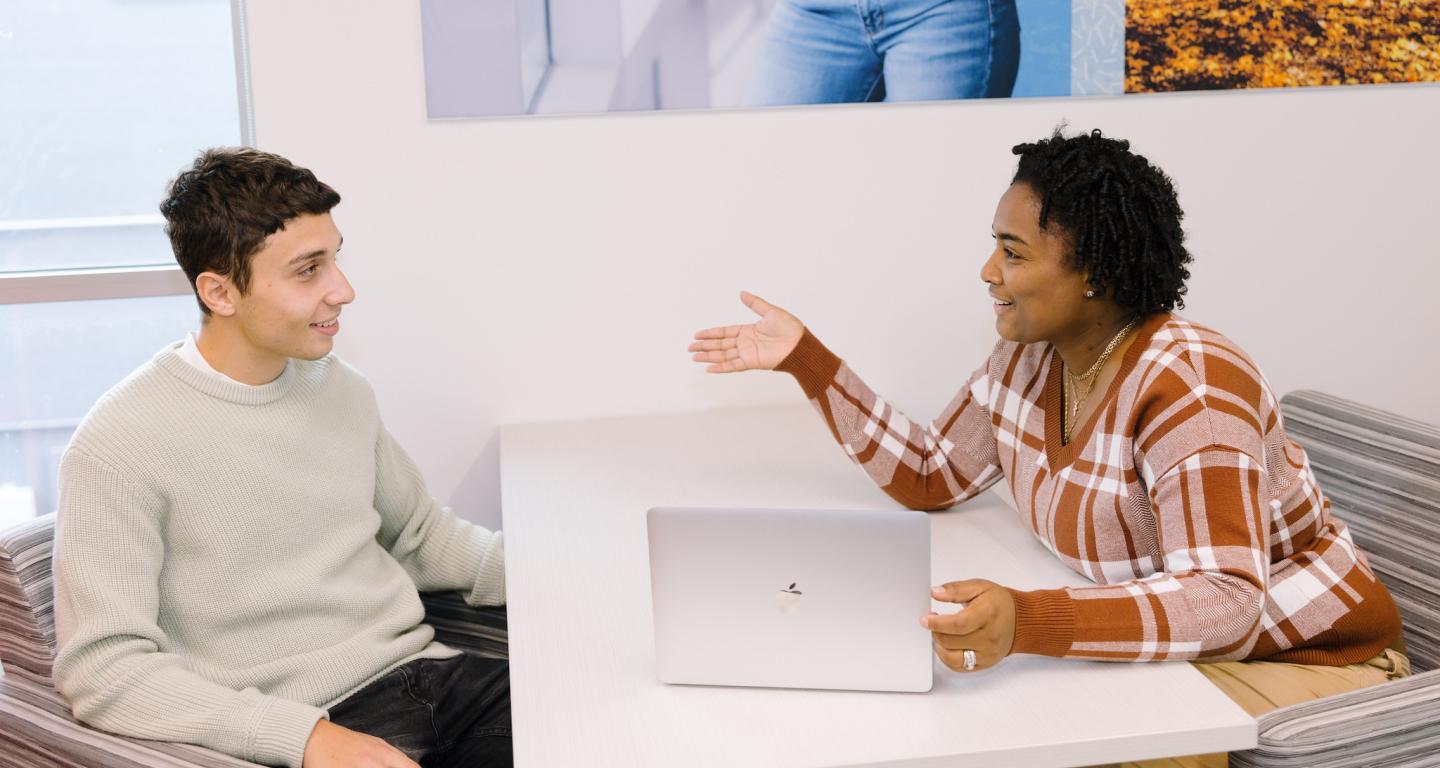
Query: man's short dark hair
point(220, 210)
point(1118, 212)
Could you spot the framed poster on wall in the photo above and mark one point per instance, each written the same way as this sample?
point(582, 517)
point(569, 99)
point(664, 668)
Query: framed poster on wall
point(518, 57)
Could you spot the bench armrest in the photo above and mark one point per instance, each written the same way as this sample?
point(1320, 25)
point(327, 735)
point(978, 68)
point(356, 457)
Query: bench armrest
point(1391, 724)
point(481, 631)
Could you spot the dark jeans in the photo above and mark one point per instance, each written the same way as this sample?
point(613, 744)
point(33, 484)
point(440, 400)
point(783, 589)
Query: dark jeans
point(439, 712)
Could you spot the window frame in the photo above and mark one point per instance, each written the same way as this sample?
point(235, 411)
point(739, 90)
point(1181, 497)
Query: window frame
point(35, 286)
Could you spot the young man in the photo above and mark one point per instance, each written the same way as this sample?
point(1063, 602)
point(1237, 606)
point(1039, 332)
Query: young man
point(240, 541)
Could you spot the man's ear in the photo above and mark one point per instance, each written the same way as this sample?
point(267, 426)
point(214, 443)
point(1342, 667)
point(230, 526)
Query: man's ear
point(217, 292)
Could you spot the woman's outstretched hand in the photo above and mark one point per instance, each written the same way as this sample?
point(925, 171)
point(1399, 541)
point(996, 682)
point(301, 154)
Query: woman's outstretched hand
point(759, 345)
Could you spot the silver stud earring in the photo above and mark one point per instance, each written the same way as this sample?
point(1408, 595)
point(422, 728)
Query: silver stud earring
point(1089, 294)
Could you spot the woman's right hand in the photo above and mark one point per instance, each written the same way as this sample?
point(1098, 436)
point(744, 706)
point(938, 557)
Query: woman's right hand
point(759, 345)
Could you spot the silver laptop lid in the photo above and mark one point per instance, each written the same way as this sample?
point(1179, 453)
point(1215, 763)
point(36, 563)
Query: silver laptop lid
point(791, 598)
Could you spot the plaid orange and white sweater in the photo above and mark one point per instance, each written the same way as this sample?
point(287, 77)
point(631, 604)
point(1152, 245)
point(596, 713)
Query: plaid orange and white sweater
point(1199, 521)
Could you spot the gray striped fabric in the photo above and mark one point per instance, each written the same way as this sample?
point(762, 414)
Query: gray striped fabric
point(27, 602)
point(36, 728)
point(1393, 724)
point(1382, 475)
point(481, 631)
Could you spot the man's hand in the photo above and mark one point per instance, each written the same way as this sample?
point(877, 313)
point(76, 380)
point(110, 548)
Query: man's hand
point(334, 746)
point(986, 625)
point(759, 345)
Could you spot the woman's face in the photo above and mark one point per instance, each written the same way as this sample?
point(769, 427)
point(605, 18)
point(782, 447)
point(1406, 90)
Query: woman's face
point(1038, 296)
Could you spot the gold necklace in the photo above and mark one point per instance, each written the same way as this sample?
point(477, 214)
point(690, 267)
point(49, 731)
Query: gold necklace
point(1072, 399)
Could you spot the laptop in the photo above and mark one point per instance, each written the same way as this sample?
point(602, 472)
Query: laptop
point(791, 598)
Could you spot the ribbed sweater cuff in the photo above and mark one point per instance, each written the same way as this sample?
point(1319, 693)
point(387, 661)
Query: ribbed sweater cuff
point(1044, 622)
point(489, 586)
point(811, 364)
point(282, 731)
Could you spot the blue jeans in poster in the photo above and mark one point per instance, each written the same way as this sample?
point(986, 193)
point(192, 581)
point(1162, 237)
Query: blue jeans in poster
point(442, 713)
point(830, 51)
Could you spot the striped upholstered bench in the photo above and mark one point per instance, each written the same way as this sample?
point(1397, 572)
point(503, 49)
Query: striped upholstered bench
point(1382, 475)
point(36, 728)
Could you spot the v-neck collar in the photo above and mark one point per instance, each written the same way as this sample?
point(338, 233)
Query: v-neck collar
point(1059, 455)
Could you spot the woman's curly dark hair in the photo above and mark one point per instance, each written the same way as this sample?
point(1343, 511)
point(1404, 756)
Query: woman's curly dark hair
point(1118, 212)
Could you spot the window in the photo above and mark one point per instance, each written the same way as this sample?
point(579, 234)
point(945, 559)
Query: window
point(105, 101)
point(56, 358)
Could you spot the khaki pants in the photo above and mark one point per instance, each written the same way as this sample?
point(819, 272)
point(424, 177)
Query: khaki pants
point(1260, 686)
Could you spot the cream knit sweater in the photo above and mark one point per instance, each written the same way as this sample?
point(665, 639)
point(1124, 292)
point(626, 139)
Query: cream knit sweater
point(229, 560)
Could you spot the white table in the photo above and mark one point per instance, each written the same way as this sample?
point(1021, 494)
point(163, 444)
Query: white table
point(584, 691)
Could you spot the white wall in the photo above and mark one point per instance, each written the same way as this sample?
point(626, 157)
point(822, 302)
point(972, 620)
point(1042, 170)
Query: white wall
point(554, 268)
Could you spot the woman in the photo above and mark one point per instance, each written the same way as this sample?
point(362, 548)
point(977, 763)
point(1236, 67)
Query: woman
point(1144, 450)
point(834, 51)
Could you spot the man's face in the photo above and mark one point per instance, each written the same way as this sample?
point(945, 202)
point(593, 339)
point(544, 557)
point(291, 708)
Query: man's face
point(292, 307)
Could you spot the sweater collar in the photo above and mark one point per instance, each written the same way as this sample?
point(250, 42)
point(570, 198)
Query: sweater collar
point(1059, 455)
point(169, 360)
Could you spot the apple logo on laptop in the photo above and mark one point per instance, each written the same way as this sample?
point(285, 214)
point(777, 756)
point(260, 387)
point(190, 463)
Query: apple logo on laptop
point(788, 600)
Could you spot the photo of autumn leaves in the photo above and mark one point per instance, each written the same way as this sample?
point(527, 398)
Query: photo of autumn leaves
point(1188, 45)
